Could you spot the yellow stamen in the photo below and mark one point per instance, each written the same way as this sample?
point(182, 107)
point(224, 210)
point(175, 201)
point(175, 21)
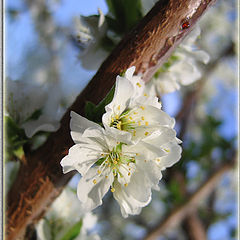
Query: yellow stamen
point(129, 174)
point(112, 189)
point(167, 150)
point(145, 94)
point(131, 118)
point(142, 118)
point(106, 177)
point(134, 133)
point(94, 181)
point(138, 84)
point(128, 164)
point(142, 107)
point(118, 107)
point(146, 123)
point(158, 159)
point(146, 133)
point(115, 162)
point(125, 184)
point(139, 123)
point(119, 126)
point(99, 172)
point(137, 154)
point(135, 113)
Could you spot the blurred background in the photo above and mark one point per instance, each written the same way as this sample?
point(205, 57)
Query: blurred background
point(47, 57)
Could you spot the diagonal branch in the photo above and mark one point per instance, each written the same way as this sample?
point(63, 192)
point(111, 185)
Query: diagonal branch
point(177, 215)
point(147, 46)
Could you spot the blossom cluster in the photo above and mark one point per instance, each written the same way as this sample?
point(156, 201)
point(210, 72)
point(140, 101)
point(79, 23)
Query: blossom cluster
point(126, 155)
point(182, 68)
point(58, 224)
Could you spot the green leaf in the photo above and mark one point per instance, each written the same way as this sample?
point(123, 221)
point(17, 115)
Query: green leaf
point(73, 231)
point(90, 110)
point(93, 112)
point(36, 114)
point(126, 12)
point(19, 152)
point(15, 138)
point(165, 67)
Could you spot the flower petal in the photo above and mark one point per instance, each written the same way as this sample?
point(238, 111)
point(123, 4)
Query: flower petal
point(122, 94)
point(133, 197)
point(92, 187)
point(172, 157)
point(80, 159)
point(79, 124)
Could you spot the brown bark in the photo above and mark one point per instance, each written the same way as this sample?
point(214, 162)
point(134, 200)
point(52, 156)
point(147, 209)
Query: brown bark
point(147, 46)
point(177, 215)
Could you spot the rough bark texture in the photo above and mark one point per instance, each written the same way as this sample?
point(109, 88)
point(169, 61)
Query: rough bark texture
point(147, 46)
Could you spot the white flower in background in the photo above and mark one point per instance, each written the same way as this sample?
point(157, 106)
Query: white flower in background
point(26, 99)
point(63, 214)
point(134, 112)
point(130, 171)
point(183, 66)
point(90, 32)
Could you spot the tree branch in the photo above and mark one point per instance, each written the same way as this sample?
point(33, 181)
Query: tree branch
point(177, 215)
point(147, 46)
point(194, 227)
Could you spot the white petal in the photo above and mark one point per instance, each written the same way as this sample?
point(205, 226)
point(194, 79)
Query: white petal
point(160, 137)
point(80, 159)
point(79, 124)
point(101, 18)
point(172, 157)
point(42, 124)
point(125, 169)
point(151, 170)
point(91, 194)
point(122, 94)
point(118, 135)
point(132, 198)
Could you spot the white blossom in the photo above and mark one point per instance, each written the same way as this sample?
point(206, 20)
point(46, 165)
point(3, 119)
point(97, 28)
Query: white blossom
point(24, 99)
point(134, 112)
point(90, 32)
point(129, 170)
point(183, 69)
point(62, 215)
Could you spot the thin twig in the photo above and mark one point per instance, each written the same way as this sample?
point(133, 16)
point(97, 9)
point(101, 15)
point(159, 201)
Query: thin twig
point(177, 215)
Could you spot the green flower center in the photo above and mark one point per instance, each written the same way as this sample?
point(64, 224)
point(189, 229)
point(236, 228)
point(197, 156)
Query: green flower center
point(115, 159)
